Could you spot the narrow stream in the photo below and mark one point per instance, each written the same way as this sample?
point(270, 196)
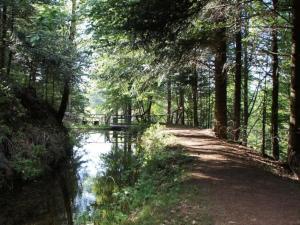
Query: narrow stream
point(67, 191)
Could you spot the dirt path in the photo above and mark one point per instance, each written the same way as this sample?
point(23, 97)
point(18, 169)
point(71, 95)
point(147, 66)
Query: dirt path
point(240, 191)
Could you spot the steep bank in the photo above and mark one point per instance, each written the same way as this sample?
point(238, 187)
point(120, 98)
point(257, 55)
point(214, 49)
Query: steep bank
point(32, 141)
point(35, 160)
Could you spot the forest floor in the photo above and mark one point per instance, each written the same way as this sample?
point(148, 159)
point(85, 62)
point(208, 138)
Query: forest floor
point(230, 184)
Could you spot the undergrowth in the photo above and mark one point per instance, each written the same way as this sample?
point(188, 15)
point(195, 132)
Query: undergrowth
point(147, 190)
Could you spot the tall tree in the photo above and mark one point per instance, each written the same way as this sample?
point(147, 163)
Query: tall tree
point(275, 90)
point(68, 78)
point(245, 90)
point(238, 75)
point(264, 119)
point(220, 123)
point(3, 37)
point(294, 133)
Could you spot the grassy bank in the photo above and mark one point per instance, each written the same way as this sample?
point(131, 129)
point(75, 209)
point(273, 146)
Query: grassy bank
point(152, 188)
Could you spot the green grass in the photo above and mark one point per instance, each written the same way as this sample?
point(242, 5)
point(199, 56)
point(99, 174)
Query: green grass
point(181, 205)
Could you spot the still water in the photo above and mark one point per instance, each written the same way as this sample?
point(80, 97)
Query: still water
point(63, 197)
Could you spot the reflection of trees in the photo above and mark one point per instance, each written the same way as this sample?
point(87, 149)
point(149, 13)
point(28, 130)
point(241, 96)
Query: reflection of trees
point(121, 168)
point(121, 162)
point(47, 201)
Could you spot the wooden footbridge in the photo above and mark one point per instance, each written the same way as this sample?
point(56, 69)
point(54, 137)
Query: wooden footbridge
point(113, 121)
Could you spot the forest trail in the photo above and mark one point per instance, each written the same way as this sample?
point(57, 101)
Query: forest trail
point(240, 189)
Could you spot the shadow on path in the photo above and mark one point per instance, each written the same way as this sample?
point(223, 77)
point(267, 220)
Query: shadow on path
point(241, 188)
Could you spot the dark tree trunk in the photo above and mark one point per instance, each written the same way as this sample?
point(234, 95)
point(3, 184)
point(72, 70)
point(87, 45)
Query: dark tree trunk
point(46, 83)
point(275, 79)
point(169, 90)
point(181, 106)
point(220, 123)
point(264, 120)
point(245, 84)
point(3, 39)
point(200, 107)
point(294, 134)
point(53, 90)
point(177, 112)
point(246, 104)
point(10, 58)
point(73, 21)
point(64, 101)
point(238, 80)
point(195, 98)
point(209, 104)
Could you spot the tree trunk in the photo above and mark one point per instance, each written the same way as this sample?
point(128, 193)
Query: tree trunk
point(64, 101)
point(275, 79)
point(294, 134)
point(209, 104)
point(53, 90)
point(245, 84)
point(238, 79)
point(129, 112)
point(3, 39)
point(46, 83)
point(264, 120)
point(169, 90)
point(220, 123)
point(195, 98)
point(147, 112)
point(67, 81)
point(181, 106)
point(246, 104)
point(10, 58)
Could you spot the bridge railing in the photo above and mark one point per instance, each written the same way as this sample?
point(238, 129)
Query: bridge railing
point(102, 119)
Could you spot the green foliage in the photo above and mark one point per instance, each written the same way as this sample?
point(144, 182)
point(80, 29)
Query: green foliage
point(154, 141)
point(28, 168)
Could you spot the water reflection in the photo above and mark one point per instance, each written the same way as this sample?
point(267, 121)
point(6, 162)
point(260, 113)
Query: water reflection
point(67, 195)
point(108, 157)
point(42, 202)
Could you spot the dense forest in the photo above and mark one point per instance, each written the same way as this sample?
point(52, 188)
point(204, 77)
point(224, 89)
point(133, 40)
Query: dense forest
point(232, 66)
point(221, 64)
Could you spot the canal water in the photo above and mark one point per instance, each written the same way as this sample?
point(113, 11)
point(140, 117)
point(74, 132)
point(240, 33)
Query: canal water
point(67, 194)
